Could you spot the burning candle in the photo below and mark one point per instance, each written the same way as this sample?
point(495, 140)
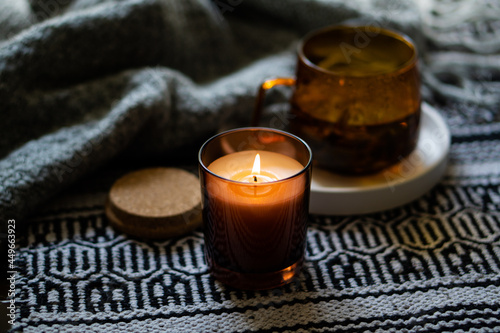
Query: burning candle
point(255, 206)
point(255, 166)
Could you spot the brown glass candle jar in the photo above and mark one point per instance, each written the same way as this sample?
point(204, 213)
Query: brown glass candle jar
point(255, 222)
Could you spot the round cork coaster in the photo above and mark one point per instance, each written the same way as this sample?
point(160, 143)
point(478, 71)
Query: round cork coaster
point(155, 203)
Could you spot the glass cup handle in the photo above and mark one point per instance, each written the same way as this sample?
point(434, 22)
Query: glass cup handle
point(268, 84)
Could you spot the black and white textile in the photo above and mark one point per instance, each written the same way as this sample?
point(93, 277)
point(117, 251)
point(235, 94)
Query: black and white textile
point(90, 89)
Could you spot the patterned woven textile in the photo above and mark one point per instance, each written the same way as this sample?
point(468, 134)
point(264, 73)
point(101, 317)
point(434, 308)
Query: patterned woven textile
point(430, 265)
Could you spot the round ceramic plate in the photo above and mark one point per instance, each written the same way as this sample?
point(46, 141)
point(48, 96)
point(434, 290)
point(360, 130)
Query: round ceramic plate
point(334, 194)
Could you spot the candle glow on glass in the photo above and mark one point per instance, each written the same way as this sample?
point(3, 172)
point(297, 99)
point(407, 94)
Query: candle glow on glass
point(255, 166)
point(260, 210)
point(255, 207)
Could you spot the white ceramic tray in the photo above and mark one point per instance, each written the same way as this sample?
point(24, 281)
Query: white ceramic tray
point(334, 194)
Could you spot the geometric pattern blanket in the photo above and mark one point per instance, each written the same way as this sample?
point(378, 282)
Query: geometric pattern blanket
point(431, 265)
point(91, 89)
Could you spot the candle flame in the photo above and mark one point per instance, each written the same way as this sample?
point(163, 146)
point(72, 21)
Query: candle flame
point(256, 165)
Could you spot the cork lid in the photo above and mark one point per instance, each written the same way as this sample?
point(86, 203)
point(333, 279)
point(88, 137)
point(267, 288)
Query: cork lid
point(155, 203)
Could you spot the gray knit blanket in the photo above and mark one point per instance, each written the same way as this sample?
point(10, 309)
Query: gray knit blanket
point(91, 89)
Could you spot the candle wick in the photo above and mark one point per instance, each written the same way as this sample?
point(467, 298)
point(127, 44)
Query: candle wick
point(255, 178)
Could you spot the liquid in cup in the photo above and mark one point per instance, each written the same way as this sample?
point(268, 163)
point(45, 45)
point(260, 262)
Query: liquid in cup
point(356, 100)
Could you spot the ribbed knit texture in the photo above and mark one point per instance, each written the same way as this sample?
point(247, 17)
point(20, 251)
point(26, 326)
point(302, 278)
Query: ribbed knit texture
point(85, 81)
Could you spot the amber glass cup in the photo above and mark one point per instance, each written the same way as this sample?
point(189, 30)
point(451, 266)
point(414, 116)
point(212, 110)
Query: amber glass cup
point(255, 232)
point(356, 98)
